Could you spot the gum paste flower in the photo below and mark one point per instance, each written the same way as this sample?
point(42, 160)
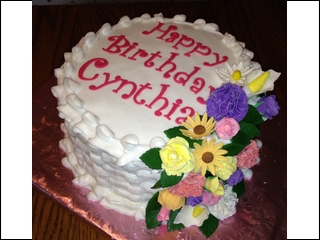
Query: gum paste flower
point(207, 158)
point(198, 128)
point(229, 100)
point(236, 74)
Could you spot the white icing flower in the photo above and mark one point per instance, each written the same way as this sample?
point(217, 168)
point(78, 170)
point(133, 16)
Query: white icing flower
point(226, 207)
point(247, 173)
point(236, 74)
point(260, 82)
point(253, 100)
point(188, 215)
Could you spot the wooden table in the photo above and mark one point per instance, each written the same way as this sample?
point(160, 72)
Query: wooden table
point(56, 29)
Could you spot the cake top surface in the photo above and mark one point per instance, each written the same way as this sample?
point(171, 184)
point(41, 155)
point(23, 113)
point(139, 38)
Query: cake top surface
point(162, 68)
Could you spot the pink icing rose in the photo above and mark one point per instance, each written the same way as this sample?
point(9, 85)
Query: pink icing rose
point(227, 128)
point(163, 215)
point(247, 158)
point(209, 198)
point(192, 185)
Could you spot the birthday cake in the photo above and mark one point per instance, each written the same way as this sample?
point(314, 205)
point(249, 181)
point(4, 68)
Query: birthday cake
point(161, 117)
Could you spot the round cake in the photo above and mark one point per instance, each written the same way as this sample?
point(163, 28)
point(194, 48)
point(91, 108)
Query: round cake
point(161, 117)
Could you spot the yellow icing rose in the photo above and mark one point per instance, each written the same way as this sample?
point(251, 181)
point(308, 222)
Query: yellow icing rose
point(230, 166)
point(170, 201)
point(176, 157)
point(213, 185)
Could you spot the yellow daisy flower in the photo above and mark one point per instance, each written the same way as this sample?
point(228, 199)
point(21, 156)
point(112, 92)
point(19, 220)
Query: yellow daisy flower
point(208, 156)
point(196, 129)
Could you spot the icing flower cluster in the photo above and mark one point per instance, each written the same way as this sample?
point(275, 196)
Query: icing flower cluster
point(206, 160)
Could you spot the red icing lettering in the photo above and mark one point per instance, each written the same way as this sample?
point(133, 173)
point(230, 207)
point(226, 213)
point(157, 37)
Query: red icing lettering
point(149, 63)
point(119, 42)
point(184, 110)
point(140, 90)
point(140, 53)
point(201, 100)
point(218, 61)
point(158, 28)
point(168, 62)
point(211, 89)
point(106, 82)
point(160, 96)
point(173, 36)
point(200, 82)
point(98, 63)
point(178, 77)
point(184, 41)
point(132, 46)
point(199, 48)
point(122, 43)
point(125, 82)
point(175, 105)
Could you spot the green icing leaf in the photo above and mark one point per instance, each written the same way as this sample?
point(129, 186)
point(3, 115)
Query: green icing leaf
point(168, 181)
point(172, 217)
point(157, 185)
point(239, 189)
point(209, 226)
point(241, 138)
point(233, 148)
point(152, 158)
point(174, 132)
point(250, 129)
point(252, 116)
point(152, 211)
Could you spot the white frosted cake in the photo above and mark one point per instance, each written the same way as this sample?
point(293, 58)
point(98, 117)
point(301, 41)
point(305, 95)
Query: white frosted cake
point(152, 105)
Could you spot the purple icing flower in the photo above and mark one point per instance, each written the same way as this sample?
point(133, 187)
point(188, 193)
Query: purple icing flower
point(193, 201)
point(235, 178)
point(229, 100)
point(269, 106)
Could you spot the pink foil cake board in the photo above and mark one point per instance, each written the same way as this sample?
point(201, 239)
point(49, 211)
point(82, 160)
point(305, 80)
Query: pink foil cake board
point(261, 211)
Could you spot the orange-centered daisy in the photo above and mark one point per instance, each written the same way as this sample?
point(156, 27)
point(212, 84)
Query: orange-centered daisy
point(198, 128)
point(208, 156)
